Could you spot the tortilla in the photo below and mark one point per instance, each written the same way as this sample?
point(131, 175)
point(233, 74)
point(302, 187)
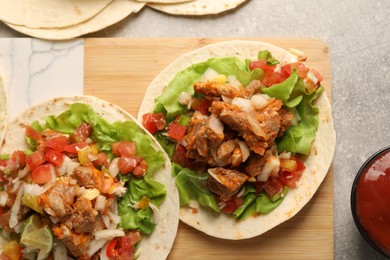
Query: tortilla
point(197, 7)
point(3, 109)
point(49, 13)
point(317, 163)
point(165, 1)
point(116, 11)
point(159, 243)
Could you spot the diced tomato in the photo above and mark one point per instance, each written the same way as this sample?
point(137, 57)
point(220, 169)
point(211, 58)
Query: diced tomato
point(57, 143)
point(72, 148)
point(262, 64)
point(153, 122)
point(54, 157)
point(35, 159)
point(11, 251)
point(232, 205)
point(201, 104)
point(123, 248)
point(271, 77)
point(43, 173)
point(273, 186)
point(81, 133)
point(101, 160)
point(179, 156)
point(19, 159)
point(124, 148)
point(301, 69)
point(176, 131)
point(127, 164)
point(259, 186)
point(130, 239)
point(32, 133)
point(141, 168)
point(290, 177)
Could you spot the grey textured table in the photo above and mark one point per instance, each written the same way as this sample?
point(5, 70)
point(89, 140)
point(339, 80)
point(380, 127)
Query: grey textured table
point(358, 35)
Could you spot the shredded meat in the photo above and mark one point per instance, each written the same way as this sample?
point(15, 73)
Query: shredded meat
point(84, 176)
point(83, 219)
point(225, 182)
point(77, 243)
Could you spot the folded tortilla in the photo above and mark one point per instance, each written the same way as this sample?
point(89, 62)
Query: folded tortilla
point(197, 7)
point(116, 11)
point(49, 13)
point(159, 243)
point(3, 109)
point(317, 163)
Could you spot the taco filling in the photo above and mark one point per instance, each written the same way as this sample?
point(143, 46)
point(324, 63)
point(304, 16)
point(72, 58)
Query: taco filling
point(237, 131)
point(84, 188)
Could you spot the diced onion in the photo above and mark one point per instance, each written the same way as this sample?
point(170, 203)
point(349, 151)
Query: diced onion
point(233, 81)
point(106, 220)
point(23, 172)
point(59, 251)
point(100, 203)
point(243, 103)
point(271, 165)
point(241, 192)
point(95, 245)
point(103, 253)
point(115, 219)
point(113, 169)
point(244, 150)
point(254, 124)
point(108, 234)
point(156, 212)
point(285, 155)
point(185, 98)
point(259, 101)
point(13, 221)
point(209, 75)
point(3, 198)
point(227, 99)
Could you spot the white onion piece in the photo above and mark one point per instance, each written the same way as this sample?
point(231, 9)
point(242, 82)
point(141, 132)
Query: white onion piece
point(209, 75)
point(23, 172)
point(285, 155)
point(226, 99)
point(13, 221)
point(103, 253)
point(106, 220)
point(108, 234)
point(233, 81)
point(95, 245)
point(3, 198)
point(59, 251)
point(259, 101)
point(244, 150)
point(185, 98)
point(271, 165)
point(156, 212)
point(241, 192)
point(113, 169)
point(243, 103)
point(255, 125)
point(100, 203)
point(15, 187)
point(115, 219)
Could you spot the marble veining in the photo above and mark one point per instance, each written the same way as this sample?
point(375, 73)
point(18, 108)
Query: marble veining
point(34, 70)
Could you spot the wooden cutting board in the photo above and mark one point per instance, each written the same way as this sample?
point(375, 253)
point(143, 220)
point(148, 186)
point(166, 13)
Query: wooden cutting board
point(119, 71)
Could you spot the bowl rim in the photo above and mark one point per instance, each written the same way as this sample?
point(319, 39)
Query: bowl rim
point(353, 199)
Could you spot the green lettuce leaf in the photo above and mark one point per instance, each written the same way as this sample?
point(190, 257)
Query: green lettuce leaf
point(193, 186)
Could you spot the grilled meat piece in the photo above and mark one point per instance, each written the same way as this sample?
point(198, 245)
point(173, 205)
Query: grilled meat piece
point(212, 89)
point(286, 118)
point(195, 125)
point(84, 176)
point(83, 219)
point(214, 131)
point(57, 201)
point(252, 88)
point(76, 243)
point(225, 182)
point(258, 128)
point(224, 152)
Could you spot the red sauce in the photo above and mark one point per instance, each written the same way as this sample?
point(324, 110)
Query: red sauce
point(373, 201)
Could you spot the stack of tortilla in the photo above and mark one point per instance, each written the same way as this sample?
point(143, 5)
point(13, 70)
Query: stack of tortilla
point(66, 19)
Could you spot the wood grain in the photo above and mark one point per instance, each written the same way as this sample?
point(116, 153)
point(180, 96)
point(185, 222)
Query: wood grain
point(119, 71)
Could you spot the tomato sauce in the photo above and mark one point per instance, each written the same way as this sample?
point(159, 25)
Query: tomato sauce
point(373, 201)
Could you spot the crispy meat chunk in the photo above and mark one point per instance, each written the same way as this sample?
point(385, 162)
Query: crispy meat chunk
point(77, 243)
point(84, 176)
point(83, 219)
point(212, 89)
point(58, 200)
point(252, 88)
point(225, 182)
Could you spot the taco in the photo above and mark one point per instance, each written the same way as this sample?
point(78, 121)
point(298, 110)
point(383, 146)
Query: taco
point(196, 7)
point(249, 132)
point(80, 177)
